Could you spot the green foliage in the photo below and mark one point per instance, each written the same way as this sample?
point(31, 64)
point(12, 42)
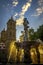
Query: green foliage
point(40, 32)
point(36, 35)
point(32, 34)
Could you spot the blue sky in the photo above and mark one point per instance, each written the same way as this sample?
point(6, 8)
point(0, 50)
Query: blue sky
point(19, 9)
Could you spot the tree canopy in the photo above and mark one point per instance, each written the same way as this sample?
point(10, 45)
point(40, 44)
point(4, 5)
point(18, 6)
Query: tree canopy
point(36, 35)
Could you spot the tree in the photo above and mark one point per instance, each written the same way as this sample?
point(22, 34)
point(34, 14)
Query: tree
point(31, 34)
point(36, 35)
point(40, 32)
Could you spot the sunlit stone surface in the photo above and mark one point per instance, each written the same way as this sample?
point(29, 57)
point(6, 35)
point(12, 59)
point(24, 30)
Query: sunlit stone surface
point(41, 53)
point(14, 54)
point(18, 55)
point(33, 55)
point(22, 55)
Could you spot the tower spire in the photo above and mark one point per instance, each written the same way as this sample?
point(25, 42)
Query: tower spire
point(11, 17)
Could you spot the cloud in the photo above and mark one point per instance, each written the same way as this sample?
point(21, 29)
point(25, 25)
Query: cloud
point(38, 12)
point(25, 7)
point(30, 0)
point(15, 14)
point(40, 2)
point(15, 3)
point(39, 9)
point(35, 14)
point(20, 21)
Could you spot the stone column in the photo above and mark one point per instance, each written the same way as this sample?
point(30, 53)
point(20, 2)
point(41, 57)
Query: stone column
point(33, 55)
point(41, 53)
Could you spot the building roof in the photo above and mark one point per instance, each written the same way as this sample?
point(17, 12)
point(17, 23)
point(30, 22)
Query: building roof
point(11, 20)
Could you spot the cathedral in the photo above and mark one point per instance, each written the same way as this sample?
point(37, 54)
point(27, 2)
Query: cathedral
point(9, 34)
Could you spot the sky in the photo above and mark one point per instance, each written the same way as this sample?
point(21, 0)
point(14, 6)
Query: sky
point(19, 9)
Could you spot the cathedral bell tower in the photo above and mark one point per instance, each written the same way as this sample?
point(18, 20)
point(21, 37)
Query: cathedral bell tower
point(11, 30)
